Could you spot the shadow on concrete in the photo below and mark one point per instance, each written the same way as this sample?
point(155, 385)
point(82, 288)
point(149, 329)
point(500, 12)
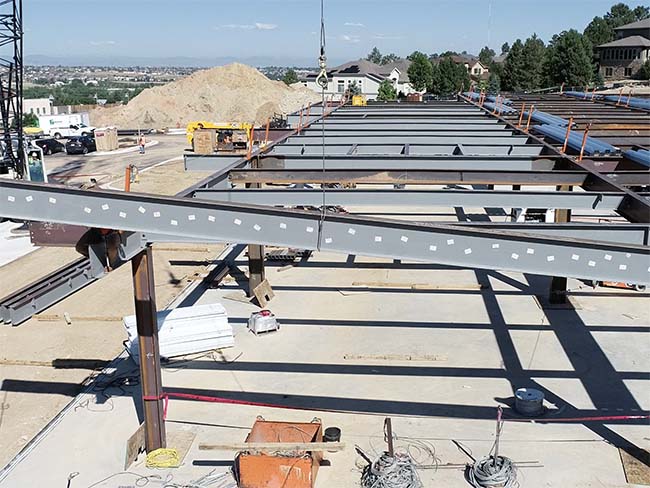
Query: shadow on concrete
point(602, 382)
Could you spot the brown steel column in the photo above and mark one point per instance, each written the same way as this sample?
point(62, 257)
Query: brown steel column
point(558, 284)
point(150, 372)
point(255, 251)
point(255, 267)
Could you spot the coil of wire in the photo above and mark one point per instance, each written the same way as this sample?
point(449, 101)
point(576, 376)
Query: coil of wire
point(486, 473)
point(391, 472)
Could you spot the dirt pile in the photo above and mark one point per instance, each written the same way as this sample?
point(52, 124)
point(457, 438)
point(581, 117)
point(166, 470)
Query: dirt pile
point(232, 93)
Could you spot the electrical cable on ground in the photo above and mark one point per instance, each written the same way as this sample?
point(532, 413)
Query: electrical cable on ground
point(401, 470)
point(163, 458)
point(391, 472)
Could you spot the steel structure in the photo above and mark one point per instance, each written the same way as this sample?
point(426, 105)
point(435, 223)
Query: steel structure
point(447, 152)
point(11, 83)
point(416, 150)
point(621, 126)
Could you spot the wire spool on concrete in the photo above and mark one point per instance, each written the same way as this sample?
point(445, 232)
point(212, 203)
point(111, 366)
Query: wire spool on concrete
point(489, 472)
point(529, 402)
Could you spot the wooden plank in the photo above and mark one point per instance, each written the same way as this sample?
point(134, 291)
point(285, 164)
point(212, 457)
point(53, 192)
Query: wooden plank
point(274, 446)
point(134, 446)
point(263, 293)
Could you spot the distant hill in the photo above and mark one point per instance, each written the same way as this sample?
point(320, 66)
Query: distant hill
point(176, 61)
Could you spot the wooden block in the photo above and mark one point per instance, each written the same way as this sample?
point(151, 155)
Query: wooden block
point(263, 293)
point(134, 446)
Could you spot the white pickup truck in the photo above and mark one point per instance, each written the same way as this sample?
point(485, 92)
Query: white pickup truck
point(66, 125)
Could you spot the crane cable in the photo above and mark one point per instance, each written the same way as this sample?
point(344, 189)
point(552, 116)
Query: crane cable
point(322, 80)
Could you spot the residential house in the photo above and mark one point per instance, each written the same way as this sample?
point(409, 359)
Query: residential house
point(476, 69)
point(623, 57)
point(366, 75)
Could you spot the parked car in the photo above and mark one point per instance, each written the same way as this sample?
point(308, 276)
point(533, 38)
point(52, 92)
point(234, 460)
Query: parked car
point(50, 146)
point(80, 145)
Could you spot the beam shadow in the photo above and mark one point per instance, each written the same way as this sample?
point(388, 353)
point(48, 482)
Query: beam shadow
point(389, 370)
point(437, 325)
point(334, 404)
point(599, 378)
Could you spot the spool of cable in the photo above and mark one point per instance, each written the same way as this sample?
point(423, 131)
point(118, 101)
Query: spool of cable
point(332, 434)
point(529, 402)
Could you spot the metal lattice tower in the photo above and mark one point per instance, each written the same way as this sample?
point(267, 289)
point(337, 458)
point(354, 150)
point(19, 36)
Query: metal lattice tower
point(11, 83)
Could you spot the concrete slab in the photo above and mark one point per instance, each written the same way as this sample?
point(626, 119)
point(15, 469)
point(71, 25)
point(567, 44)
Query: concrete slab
point(326, 362)
point(13, 245)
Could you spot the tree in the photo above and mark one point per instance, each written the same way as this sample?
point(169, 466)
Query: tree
point(386, 92)
point(644, 71)
point(420, 72)
point(449, 77)
point(523, 67)
point(513, 68)
point(601, 29)
point(494, 84)
point(505, 48)
point(568, 59)
point(414, 55)
point(533, 61)
point(389, 58)
point(30, 120)
point(620, 14)
point(352, 90)
point(486, 55)
point(290, 77)
point(374, 56)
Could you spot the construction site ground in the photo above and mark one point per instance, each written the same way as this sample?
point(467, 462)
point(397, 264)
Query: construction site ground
point(436, 348)
point(48, 349)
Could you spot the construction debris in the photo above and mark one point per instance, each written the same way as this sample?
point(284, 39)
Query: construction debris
point(235, 93)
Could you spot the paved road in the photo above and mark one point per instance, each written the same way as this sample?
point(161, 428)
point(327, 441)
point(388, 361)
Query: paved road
point(80, 168)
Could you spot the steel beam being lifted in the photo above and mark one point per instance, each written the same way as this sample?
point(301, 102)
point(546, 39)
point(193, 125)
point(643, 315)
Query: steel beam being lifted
point(417, 198)
point(467, 247)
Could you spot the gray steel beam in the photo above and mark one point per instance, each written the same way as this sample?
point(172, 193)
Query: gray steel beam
point(428, 177)
point(633, 234)
point(459, 163)
point(417, 198)
point(414, 149)
point(382, 162)
point(468, 247)
point(414, 126)
point(449, 123)
point(216, 162)
point(410, 138)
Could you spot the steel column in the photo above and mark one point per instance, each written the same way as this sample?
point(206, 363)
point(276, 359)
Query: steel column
point(559, 283)
point(255, 252)
point(150, 371)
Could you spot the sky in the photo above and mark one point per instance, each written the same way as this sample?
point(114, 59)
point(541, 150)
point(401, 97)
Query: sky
point(288, 29)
